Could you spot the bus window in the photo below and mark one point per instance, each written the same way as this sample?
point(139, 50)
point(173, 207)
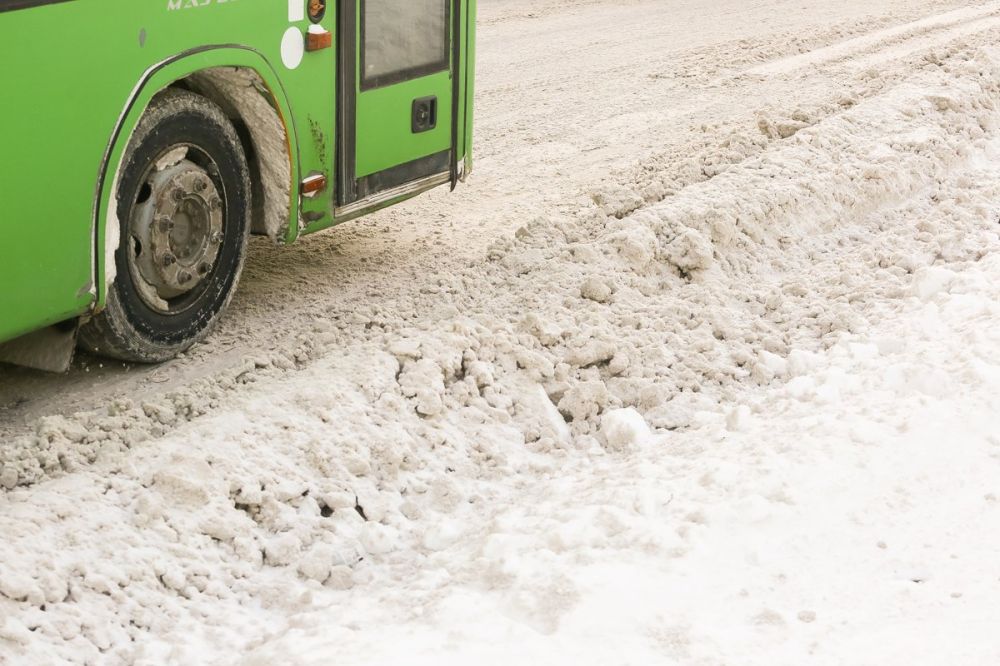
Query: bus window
point(403, 39)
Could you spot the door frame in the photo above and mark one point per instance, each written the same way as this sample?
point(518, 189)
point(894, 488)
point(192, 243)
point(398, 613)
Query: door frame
point(355, 194)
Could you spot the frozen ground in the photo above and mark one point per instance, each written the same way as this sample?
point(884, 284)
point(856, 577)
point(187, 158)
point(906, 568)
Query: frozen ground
point(700, 368)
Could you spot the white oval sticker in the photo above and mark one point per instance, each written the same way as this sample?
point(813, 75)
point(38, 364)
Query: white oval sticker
point(293, 48)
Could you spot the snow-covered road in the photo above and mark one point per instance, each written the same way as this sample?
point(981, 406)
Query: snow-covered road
point(700, 368)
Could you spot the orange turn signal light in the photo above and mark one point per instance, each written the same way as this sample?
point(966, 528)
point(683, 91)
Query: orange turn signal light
point(313, 185)
point(317, 40)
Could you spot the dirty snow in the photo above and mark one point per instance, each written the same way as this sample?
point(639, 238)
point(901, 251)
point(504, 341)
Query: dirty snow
point(727, 399)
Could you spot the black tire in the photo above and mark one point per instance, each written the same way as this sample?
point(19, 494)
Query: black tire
point(149, 316)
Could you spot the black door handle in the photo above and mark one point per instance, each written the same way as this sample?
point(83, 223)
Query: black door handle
point(424, 117)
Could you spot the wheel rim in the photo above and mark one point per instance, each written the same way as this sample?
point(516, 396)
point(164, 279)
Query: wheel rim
point(177, 228)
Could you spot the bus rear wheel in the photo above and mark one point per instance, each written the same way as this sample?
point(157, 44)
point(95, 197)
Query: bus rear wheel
point(183, 202)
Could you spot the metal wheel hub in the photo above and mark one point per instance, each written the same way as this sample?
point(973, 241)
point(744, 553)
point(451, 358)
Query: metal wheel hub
point(178, 230)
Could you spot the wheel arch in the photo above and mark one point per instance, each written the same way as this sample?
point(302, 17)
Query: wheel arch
point(243, 83)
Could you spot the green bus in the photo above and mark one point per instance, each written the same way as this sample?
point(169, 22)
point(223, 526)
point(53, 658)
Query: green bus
point(144, 140)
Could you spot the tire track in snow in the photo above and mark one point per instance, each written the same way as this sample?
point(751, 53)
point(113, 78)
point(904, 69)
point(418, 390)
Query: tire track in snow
point(916, 45)
point(949, 23)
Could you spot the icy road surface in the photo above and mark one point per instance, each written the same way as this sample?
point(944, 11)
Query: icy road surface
point(701, 367)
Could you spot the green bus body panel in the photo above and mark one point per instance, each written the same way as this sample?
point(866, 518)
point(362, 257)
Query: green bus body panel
point(76, 78)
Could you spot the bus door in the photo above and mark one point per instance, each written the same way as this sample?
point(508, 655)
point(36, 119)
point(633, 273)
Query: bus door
point(396, 98)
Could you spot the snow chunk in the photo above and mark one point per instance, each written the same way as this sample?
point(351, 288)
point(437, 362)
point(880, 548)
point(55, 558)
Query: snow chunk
point(405, 349)
point(637, 245)
point(624, 428)
point(547, 333)
point(597, 289)
point(690, 251)
point(16, 586)
point(538, 418)
point(931, 281)
point(317, 563)
point(585, 400)
point(13, 630)
point(592, 353)
point(282, 550)
point(776, 366)
point(424, 381)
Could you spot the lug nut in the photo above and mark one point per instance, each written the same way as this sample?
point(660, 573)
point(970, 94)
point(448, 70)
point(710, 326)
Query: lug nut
point(177, 194)
point(184, 278)
point(217, 238)
point(169, 260)
point(204, 268)
point(166, 225)
point(200, 185)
